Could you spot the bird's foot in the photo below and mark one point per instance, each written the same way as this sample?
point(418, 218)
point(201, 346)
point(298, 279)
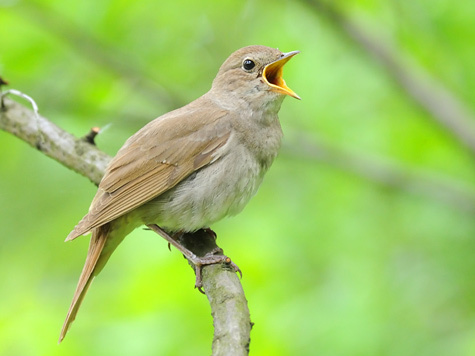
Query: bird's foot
point(213, 257)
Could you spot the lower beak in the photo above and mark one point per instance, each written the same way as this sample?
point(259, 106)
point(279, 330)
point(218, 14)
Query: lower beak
point(272, 74)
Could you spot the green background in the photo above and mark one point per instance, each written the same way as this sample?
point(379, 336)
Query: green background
point(361, 238)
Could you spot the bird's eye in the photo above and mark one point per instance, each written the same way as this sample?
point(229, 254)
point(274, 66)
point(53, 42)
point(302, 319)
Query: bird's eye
point(248, 64)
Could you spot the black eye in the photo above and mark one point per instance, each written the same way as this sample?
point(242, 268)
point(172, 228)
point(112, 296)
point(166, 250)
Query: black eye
point(248, 64)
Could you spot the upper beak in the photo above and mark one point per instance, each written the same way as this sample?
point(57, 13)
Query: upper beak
point(272, 74)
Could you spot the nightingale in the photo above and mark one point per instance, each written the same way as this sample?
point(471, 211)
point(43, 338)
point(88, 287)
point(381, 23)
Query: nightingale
point(192, 166)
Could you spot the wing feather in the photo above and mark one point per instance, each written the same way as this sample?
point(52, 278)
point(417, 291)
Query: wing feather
point(154, 160)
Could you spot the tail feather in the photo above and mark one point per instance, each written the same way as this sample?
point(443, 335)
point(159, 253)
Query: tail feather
point(95, 260)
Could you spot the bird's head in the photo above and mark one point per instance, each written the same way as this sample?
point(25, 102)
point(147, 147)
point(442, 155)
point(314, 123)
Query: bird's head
point(254, 73)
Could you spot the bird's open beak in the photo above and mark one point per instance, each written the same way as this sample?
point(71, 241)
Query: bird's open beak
point(272, 74)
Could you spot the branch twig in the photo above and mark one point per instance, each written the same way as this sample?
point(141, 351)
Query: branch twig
point(224, 291)
point(54, 142)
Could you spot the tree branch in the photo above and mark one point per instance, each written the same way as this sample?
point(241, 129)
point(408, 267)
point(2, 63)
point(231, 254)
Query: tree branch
point(74, 153)
point(228, 303)
point(224, 291)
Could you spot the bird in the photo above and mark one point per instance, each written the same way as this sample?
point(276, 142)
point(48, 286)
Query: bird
point(191, 167)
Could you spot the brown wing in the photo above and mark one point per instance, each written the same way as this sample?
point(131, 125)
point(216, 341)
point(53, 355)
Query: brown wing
point(154, 160)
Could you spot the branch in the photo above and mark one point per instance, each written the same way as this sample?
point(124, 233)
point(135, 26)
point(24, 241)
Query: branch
point(229, 309)
point(431, 96)
point(225, 293)
point(74, 153)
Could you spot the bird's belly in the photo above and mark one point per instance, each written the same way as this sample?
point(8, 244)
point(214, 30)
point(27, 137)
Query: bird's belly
point(208, 195)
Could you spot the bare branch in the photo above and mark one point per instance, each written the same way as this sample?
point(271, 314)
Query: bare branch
point(54, 142)
point(224, 291)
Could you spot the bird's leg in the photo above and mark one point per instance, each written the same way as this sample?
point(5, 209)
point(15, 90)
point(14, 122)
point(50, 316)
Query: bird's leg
point(175, 236)
point(212, 257)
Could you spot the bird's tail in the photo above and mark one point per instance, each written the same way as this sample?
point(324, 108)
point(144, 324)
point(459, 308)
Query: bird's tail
point(95, 260)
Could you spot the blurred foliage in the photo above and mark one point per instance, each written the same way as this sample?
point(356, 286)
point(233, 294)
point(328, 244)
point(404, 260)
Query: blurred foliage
point(335, 263)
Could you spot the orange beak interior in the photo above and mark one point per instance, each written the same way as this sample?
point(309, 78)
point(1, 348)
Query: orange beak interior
point(272, 74)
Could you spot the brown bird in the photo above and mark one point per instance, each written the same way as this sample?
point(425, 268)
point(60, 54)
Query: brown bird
point(192, 166)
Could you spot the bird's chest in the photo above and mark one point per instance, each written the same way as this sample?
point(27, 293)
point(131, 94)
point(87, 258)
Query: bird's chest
point(221, 188)
point(261, 140)
point(237, 175)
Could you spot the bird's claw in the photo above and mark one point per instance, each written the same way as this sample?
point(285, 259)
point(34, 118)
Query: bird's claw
point(211, 258)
